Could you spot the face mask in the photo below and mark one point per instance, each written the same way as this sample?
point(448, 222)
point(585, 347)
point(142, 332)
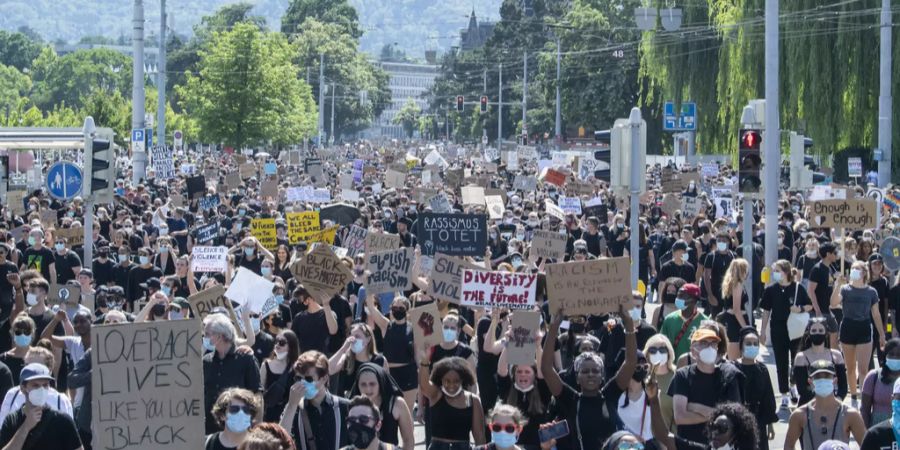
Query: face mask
point(163, 231)
point(525, 389)
point(503, 439)
point(751, 351)
point(280, 355)
point(659, 358)
point(31, 299)
point(31, 241)
point(358, 346)
point(23, 340)
point(266, 271)
point(708, 355)
point(450, 394)
point(855, 275)
point(823, 387)
point(207, 344)
point(777, 277)
point(727, 446)
point(533, 223)
point(166, 290)
point(158, 310)
point(639, 375)
point(38, 397)
point(817, 339)
point(810, 253)
point(562, 231)
point(164, 249)
point(680, 303)
point(620, 226)
point(780, 241)
point(449, 335)
point(123, 258)
point(60, 247)
point(248, 251)
point(399, 314)
point(238, 422)
point(635, 314)
point(311, 390)
point(144, 260)
point(254, 323)
point(360, 435)
point(241, 212)
point(176, 315)
point(685, 256)
point(892, 364)
point(279, 299)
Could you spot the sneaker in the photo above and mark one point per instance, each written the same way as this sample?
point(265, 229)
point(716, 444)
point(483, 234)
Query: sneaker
point(785, 402)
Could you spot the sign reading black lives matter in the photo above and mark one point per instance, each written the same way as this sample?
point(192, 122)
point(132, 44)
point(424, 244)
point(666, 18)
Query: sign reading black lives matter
point(452, 234)
point(147, 383)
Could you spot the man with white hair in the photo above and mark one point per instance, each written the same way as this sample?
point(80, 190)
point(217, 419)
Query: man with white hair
point(223, 368)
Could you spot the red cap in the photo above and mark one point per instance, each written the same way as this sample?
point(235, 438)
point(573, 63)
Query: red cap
point(690, 289)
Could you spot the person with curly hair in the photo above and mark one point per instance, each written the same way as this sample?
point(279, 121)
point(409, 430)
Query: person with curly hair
point(235, 411)
point(455, 412)
point(267, 436)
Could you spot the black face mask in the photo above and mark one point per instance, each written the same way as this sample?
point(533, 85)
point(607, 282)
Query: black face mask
point(639, 375)
point(817, 339)
point(576, 327)
point(360, 435)
point(399, 313)
point(669, 298)
point(158, 310)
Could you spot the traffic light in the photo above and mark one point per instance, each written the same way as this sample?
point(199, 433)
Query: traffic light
point(605, 157)
point(602, 136)
point(484, 103)
point(803, 168)
point(100, 172)
point(459, 103)
point(749, 161)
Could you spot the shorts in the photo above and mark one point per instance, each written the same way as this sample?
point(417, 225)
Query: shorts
point(407, 377)
point(856, 332)
point(732, 326)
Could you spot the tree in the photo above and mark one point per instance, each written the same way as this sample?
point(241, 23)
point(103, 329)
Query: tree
point(18, 50)
point(13, 86)
point(338, 12)
point(72, 77)
point(408, 117)
point(247, 91)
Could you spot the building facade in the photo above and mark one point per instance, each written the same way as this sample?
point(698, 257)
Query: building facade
point(408, 80)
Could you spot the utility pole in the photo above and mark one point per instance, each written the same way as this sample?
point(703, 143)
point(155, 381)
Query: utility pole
point(161, 78)
point(558, 126)
point(885, 107)
point(635, 121)
point(525, 96)
point(321, 99)
point(500, 108)
point(333, 95)
point(484, 89)
point(772, 139)
point(139, 158)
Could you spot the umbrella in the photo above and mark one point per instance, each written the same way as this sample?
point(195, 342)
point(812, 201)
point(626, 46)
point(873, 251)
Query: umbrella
point(262, 155)
point(340, 213)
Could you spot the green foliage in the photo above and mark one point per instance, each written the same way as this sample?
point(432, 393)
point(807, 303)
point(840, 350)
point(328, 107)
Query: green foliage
point(247, 91)
point(338, 12)
point(70, 78)
point(18, 50)
point(408, 117)
point(13, 86)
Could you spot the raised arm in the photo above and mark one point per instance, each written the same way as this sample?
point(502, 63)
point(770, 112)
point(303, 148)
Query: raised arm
point(427, 389)
point(551, 377)
point(623, 377)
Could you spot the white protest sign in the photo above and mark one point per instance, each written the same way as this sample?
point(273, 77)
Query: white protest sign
point(439, 203)
point(308, 194)
point(495, 206)
point(209, 259)
point(570, 205)
point(554, 210)
point(498, 289)
point(248, 288)
point(350, 195)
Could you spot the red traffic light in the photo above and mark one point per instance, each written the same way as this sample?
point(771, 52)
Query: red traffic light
point(484, 103)
point(750, 139)
point(459, 102)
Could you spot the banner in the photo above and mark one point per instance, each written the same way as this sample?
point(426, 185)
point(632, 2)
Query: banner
point(852, 214)
point(209, 202)
point(445, 281)
point(549, 244)
point(498, 289)
point(522, 343)
point(148, 385)
point(74, 236)
point(355, 242)
point(264, 231)
point(389, 271)
point(589, 287)
point(249, 289)
point(209, 259)
point(308, 194)
point(452, 234)
point(302, 225)
point(322, 272)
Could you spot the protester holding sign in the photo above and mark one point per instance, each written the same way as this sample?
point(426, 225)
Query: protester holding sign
point(36, 425)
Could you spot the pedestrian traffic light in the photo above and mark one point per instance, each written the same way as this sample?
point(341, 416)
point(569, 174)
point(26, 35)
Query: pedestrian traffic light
point(803, 167)
point(484, 102)
point(100, 173)
point(749, 161)
point(459, 103)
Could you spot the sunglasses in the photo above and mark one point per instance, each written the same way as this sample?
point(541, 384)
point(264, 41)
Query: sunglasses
point(22, 332)
point(655, 350)
point(281, 342)
point(507, 427)
point(233, 409)
point(362, 420)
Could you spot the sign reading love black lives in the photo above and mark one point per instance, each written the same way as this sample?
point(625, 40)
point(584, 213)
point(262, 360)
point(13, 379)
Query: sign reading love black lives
point(452, 234)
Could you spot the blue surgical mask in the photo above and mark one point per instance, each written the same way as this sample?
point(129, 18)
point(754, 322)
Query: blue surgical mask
point(635, 314)
point(680, 303)
point(751, 351)
point(503, 439)
point(144, 260)
point(164, 249)
point(207, 344)
point(449, 335)
point(23, 340)
point(823, 387)
point(721, 246)
point(238, 422)
point(60, 247)
point(241, 212)
point(685, 256)
point(248, 251)
point(266, 271)
point(279, 299)
point(777, 277)
point(893, 364)
point(358, 346)
point(311, 390)
point(31, 241)
point(855, 274)
point(254, 323)
point(166, 290)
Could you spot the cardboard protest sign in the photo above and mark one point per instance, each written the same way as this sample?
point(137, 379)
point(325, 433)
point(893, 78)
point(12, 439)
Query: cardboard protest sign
point(549, 244)
point(350, 195)
point(690, 206)
point(177, 200)
point(570, 205)
point(322, 272)
point(48, 218)
point(445, 281)
point(302, 225)
point(522, 345)
point(247, 170)
point(853, 214)
point(555, 177)
point(209, 202)
point(525, 183)
point(75, 236)
point(64, 293)
point(498, 289)
point(355, 242)
point(495, 206)
point(16, 202)
point(324, 236)
point(379, 242)
point(264, 231)
point(554, 210)
point(207, 233)
point(670, 181)
point(148, 385)
point(209, 259)
point(452, 234)
point(233, 180)
point(394, 179)
point(589, 287)
point(670, 204)
point(426, 325)
point(206, 301)
point(389, 271)
point(269, 189)
point(439, 203)
point(249, 289)
point(580, 188)
point(472, 195)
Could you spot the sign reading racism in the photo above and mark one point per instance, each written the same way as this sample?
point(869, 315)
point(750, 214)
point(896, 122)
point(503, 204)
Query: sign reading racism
point(589, 287)
point(389, 271)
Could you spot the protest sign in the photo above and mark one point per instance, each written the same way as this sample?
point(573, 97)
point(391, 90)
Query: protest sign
point(206, 301)
point(670, 204)
point(48, 218)
point(209, 202)
point(589, 287)
point(394, 179)
point(548, 244)
point(690, 206)
point(64, 293)
point(554, 210)
point(852, 214)
point(247, 170)
point(355, 242)
point(196, 187)
point(586, 167)
point(207, 233)
point(379, 242)
point(264, 231)
point(148, 385)
point(209, 259)
point(472, 195)
point(670, 181)
point(424, 266)
point(308, 194)
point(249, 289)
point(555, 177)
point(321, 272)
point(439, 203)
point(233, 180)
point(74, 236)
point(512, 161)
point(389, 271)
point(580, 188)
point(452, 234)
point(426, 324)
point(302, 225)
point(269, 189)
point(16, 202)
point(324, 236)
point(495, 206)
point(177, 200)
point(522, 343)
point(525, 183)
point(350, 195)
point(709, 170)
point(162, 162)
point(498, 289)
point(570, 205)
point(445, 281)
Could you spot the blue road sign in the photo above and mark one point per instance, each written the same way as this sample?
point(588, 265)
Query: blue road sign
point(149, 133)
point(64, 180)
point(685, 120)
point(137, 135)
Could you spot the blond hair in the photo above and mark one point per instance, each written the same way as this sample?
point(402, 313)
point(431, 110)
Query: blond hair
point(734, 276)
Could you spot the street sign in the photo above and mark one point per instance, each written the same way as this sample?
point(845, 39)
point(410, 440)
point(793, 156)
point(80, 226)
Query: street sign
point(684, 120)
point(149, 133)
point(854, 167)
point(178, 140)
point(64, 180)
point(138, 142)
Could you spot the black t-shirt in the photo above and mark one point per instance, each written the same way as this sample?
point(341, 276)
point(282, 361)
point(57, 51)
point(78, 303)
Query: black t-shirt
point(823, 276)
point(312, 331)
point(879, 437)
point(342, 310)
point(213, 443)
point(39, 260)
point(487, 362)
point(64, 265)
point(103, 271)
point(717, 263)
point(590, 420)
point(701, 388)
point(806, 264)
point(778, 299)
point(670, 269)
point(55, 430)
point(461, 350)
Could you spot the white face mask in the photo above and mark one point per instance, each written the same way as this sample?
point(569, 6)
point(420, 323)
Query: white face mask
point(280, 355)
point(708, 355)
point(31, 299)
point(855, 275)
point(659, 358)
point(38, 397)
point(523, 390)
point(685, 256)
point(451, 394)
point(727, 446)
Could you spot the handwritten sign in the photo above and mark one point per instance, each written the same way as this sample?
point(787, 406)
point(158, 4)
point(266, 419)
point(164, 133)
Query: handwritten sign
point(445, 281)
point(589, 287)
point(207, 233)
point(853, 214)
point(439, 203)
point(452, 234)
point(522, 344)
point(355, 242)
point(690, 206)
point(570, 205)
point(426, 324)
point(302, 225)
point(75, 235)
point(209, 259)
point(555, 177)
point(495, 206)
point(379, 242)
point(389, 271)
point(148, 385)
point(472, 195)
point(321, 272)
point(554, 210)
point(498, 289)
point(209, 202)
point(525, 183)
point(264, 231)
point(548, 244)
point(209, 300)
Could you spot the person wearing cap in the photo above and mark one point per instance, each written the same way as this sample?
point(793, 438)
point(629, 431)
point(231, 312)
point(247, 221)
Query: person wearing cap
point(697, 388)
point(678, 326)
point(36, 425)
point(38, 257)
point(885, 435)
point(678, 267)
point(825, 417)
point(759, 396)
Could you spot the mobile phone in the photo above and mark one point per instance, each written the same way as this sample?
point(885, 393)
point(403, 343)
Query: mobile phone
point(558, 430)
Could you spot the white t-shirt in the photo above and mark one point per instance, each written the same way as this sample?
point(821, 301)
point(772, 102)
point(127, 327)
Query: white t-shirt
point(14, 399)
point(635, 414)
point(75, 349)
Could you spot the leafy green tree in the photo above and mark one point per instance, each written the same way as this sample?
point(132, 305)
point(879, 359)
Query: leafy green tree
point(338, 12)
point(13, 86)
point(70, 78)
point(408, 117)
point(18, 50)
point(247, 91)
